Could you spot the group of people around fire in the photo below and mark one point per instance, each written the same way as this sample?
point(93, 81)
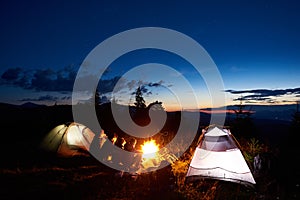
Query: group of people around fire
point(125, 157)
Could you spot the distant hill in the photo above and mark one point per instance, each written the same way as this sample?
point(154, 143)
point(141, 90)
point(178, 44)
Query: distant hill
point(24, 105)
point(31, 105)
point(7, 105)
point(274, 112)
point(269, 112)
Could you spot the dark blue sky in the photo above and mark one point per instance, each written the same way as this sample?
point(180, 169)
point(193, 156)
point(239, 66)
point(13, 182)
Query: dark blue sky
point(254, 44)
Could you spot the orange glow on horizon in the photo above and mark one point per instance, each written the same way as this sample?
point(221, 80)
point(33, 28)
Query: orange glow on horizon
point(223, 111)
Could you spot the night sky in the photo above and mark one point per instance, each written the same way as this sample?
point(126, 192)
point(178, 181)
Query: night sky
point(254, 44)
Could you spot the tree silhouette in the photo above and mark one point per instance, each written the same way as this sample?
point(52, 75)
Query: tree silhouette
point(294, 127)
point(156, 106)
point(139, 99)
point(243, 125)
point(241, 112)
point(296, 117)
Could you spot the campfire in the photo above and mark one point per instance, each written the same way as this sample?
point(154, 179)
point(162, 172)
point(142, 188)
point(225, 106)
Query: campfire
point(149, 149)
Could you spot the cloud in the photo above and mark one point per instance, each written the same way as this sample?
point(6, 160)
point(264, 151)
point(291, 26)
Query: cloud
point(11, 74)
point(49, 80)
point(108, 85)
point(41, 98)
point(47, 98)
point(263, 94)
point(62, 81)
point(252, 98)
point(40, 79)
point(158, 84)
point(132, 84)
point(145, 86)
point(17, 77)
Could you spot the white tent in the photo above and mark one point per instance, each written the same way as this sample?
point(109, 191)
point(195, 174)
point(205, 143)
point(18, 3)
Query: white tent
point(217, 156)
point(68, 140)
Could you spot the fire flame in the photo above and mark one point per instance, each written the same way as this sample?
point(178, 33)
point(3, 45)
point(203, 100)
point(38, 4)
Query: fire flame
point(149, 149)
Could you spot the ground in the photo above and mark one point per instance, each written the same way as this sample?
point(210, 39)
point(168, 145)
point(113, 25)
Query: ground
point(81, 178)
point(85, 178)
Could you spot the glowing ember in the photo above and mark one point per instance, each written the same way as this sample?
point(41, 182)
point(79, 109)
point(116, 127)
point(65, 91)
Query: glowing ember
point(149, 149)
